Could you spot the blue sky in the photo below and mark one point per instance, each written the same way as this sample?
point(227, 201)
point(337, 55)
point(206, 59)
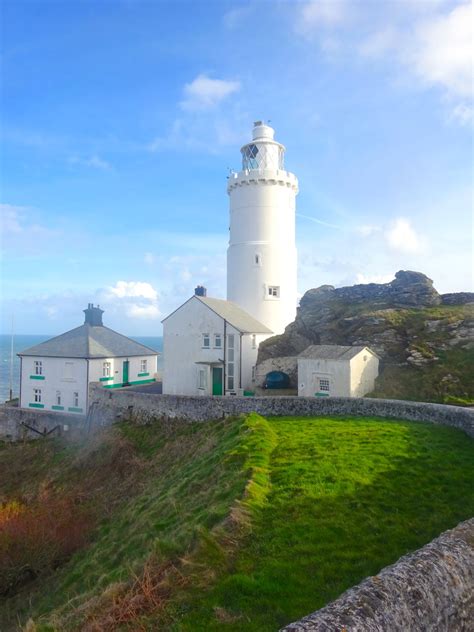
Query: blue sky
point(121, 119)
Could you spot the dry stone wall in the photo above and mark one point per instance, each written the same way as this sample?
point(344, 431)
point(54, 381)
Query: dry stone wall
point(429, 590)
point(110, 405)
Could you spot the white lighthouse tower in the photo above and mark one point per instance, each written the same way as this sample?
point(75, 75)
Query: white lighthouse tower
point(261, 258)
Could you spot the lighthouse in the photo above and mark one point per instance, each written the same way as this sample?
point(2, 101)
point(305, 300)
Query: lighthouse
point(261, 257)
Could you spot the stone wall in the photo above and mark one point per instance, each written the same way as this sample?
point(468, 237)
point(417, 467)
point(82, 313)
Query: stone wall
point(12, 422)
point(109, 405)
point(287, 364)
point(431, 589)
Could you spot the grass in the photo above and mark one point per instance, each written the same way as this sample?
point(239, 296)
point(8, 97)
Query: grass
point(246, 524)
point(348, 497)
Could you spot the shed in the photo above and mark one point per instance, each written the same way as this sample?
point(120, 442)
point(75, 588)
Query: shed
point(337, 370)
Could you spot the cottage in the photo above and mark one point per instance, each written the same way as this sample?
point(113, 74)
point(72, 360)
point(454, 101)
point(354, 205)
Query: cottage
point(210, 347)
point(55, 375)
point(336, 370)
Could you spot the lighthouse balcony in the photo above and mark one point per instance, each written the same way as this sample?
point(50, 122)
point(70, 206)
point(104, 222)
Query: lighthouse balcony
point(262, 176)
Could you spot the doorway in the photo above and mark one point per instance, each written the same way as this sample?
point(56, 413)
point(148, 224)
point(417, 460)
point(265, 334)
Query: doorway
point(217, 380)
point(125, 368)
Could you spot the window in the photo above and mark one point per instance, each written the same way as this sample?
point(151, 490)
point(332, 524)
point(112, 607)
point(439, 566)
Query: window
point(324, 384)
point(258, 260)
point(143, 364)
point(206, 341)
point(274, 291)
point(217, 341)
point(202, 379)
point(38, 367)
point(254, 341)
point(230, 362)
point(68, 370)
point(75, 398)
point(37, 392)
point(254, 369)
point(58, 398)
point(106, 369)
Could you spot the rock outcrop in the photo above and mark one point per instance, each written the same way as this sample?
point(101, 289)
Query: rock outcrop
point(406, 322)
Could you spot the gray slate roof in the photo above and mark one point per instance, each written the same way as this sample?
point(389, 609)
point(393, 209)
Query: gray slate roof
point(232, 313)
point(235, 315)
point(332, 352)
point(89, 341)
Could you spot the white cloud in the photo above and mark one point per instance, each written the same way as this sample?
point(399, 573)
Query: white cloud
point(442, 51)
point(321, 13)
point(373, 278)
point(367, 229)
point(143, 311)
point(133, 289)
point(463, 114)
point(95, 162)
point(402, 237)
point(149, 258)
point(234, 17)
point(11, 218)
point(204, 93)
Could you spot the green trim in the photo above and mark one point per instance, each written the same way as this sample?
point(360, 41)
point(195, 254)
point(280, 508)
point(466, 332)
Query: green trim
point(36, 405)
point(321, 394)
point(130, 383)
point(143, 374)
point(57, 407)
point(75, 410)
point(106, 379)
point(36, 377)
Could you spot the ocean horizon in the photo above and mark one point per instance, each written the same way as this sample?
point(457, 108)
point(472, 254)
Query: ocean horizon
point(24, 341)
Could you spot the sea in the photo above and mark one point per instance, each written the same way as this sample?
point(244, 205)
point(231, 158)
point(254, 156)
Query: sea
point(22, 342)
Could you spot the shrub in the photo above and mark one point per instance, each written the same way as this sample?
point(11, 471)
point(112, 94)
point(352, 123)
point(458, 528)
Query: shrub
point(38, 536)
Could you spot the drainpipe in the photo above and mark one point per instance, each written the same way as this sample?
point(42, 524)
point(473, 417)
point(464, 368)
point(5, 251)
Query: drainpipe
point(225, 356)
point(21, 379)
point(240, 361)
point(87, 387)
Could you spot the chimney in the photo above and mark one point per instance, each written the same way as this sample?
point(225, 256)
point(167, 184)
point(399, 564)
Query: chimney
point(93, 315)
point(200, 290)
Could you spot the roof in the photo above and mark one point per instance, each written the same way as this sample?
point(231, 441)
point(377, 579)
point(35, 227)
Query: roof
point(89, 341)
point(333, 352)
point(232, 313)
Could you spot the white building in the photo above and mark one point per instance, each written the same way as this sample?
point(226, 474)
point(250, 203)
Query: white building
point(55, 375)
point(210, 348)
point(261, 281)
point(340, 371)
point(261, 258)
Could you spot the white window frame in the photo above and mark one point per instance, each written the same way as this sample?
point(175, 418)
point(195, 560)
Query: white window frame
point(202, 379)
point(254, 341)
point(37, 395)
point(230, 372)
point(143, 366)
point(75, 399)
point(206, 338)
point(324, 385)
point(217, 337)
point(273, 292)
point(106, 369)
point(38, 367)
point(58, 398)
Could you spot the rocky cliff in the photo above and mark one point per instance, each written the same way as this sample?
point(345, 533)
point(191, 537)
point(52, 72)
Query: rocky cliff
point(424, 339)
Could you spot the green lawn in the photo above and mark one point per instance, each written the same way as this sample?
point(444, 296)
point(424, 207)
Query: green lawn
point(240, 525)
point(347, 498)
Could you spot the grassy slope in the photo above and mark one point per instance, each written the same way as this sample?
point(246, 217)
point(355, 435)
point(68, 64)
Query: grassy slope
point(242, 525)
point(348, 497)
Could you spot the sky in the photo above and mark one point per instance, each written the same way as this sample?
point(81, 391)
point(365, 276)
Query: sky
point(121, 120)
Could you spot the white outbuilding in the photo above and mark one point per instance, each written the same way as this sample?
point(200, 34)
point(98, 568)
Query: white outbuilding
point(338, 371)
point(210, 347)
point(55, 374)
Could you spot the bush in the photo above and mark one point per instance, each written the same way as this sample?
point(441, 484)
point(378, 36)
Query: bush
point(37, 537)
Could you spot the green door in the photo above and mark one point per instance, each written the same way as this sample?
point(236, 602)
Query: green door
point(125, 372)
point(216, 381)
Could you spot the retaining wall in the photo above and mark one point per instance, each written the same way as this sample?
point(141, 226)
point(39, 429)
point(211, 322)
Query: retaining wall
point(431, 589)
point(12, 420)
point(109, 405)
